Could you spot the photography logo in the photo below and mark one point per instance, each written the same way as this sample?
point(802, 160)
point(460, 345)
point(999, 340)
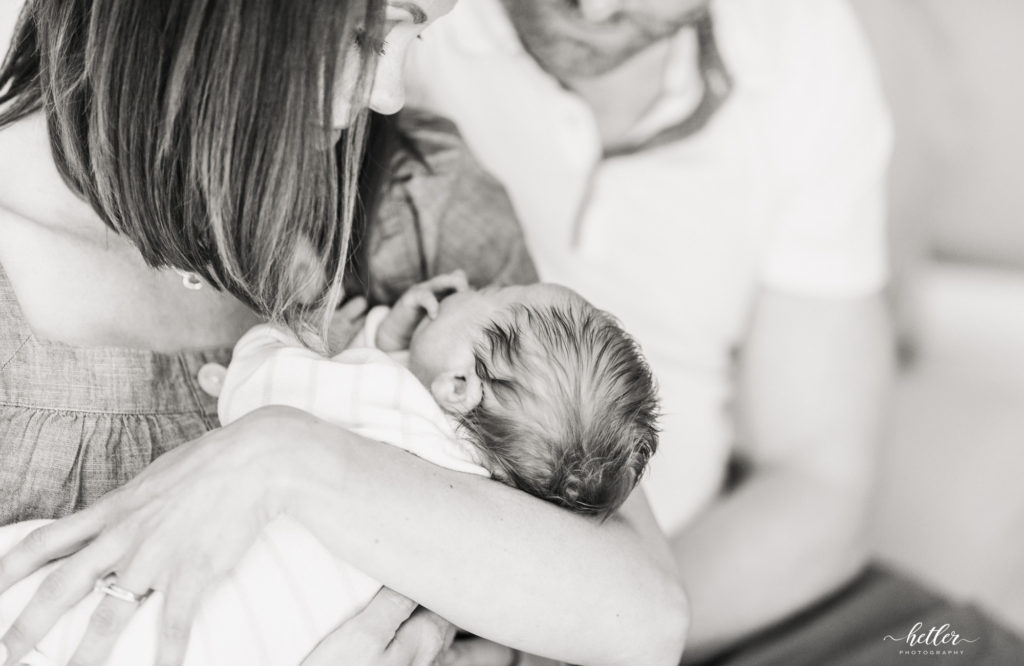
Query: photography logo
point(936, 641)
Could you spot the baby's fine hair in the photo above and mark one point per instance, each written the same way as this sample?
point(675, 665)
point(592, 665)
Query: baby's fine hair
point(570, 406)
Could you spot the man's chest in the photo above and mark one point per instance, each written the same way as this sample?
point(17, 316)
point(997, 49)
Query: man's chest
point(675, 235)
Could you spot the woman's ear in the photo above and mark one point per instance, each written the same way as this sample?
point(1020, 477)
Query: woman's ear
point(457, 392)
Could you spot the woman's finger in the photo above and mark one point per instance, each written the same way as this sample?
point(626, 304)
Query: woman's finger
point(479, 652)
point(112, 615)
point(420, 640)
point(181, 603)
point(337, 648)
point(105, 626)
point(67, 584)
point(364, 638)
point(384, 614)
point(47, 543)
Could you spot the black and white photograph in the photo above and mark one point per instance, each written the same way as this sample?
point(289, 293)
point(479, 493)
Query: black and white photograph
point(511, 333)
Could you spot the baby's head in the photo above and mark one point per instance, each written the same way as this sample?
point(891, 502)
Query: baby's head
point(554, 393)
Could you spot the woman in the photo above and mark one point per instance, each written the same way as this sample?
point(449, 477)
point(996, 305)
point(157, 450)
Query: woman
point(185, 145)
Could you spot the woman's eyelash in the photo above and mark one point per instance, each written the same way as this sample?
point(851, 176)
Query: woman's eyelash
point(379, 46)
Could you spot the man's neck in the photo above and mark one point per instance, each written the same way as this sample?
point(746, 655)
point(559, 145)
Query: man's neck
point(622, 97)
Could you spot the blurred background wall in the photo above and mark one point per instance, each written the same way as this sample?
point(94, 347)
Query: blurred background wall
point(950, 506)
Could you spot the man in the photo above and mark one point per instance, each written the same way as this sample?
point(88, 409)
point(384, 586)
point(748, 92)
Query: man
point(712, 173)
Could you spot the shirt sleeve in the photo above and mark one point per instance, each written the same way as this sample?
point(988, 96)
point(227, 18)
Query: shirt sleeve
point(443, 212)
point(832, 145)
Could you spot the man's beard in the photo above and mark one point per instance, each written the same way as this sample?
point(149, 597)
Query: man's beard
point(569, 47)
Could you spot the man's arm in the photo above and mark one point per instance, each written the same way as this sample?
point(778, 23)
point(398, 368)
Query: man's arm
point(813, 378)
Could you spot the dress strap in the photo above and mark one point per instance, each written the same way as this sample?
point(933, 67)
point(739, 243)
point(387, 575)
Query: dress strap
point(52, 375)
point(14, 331)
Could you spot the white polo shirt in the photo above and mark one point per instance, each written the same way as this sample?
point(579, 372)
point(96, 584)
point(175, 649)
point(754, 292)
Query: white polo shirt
point(784, 188)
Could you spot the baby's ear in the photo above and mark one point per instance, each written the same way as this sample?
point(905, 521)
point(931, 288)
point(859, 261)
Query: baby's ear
point(457, 392)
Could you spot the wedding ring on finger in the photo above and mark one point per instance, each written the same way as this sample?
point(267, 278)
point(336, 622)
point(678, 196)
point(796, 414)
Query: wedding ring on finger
point(108, 586)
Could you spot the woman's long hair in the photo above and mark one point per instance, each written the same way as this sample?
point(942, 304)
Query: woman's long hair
point(197, 129)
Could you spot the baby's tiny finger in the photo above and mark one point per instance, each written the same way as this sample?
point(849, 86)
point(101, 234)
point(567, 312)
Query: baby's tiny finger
point(426, 300)
point(460, 281)
point(454, 281)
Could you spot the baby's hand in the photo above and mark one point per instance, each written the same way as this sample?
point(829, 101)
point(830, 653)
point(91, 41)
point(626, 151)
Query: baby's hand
point(421, 299)
point(424, 296)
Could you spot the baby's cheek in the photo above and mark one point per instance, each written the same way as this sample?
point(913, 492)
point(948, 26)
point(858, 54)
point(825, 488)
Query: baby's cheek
point(419, 331)
point(416, 354)
point(419, 364)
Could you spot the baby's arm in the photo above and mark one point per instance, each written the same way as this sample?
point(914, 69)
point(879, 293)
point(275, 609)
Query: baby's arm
point(421, 299)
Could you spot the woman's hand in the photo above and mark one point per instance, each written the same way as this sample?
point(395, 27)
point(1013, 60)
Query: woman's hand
point(480, 652)
point(390, 631)
point(178, 527)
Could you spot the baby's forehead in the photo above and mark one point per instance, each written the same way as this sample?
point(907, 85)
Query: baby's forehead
point(533, 320)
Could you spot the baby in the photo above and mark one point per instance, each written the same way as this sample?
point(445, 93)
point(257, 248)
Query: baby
point(554, 395)
point(530, 385)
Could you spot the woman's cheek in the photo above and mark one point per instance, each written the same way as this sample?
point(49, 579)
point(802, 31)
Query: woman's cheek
point(345, 89)
point(388, 94)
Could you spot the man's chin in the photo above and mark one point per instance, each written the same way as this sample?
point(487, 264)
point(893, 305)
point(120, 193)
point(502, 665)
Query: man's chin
point(569, 47)
point(577, 61)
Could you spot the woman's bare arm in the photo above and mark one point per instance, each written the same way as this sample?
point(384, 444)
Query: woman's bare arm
point(489, 558)
point(497, 561)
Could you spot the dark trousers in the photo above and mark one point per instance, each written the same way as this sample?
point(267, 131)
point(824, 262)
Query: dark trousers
point(850, 629)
